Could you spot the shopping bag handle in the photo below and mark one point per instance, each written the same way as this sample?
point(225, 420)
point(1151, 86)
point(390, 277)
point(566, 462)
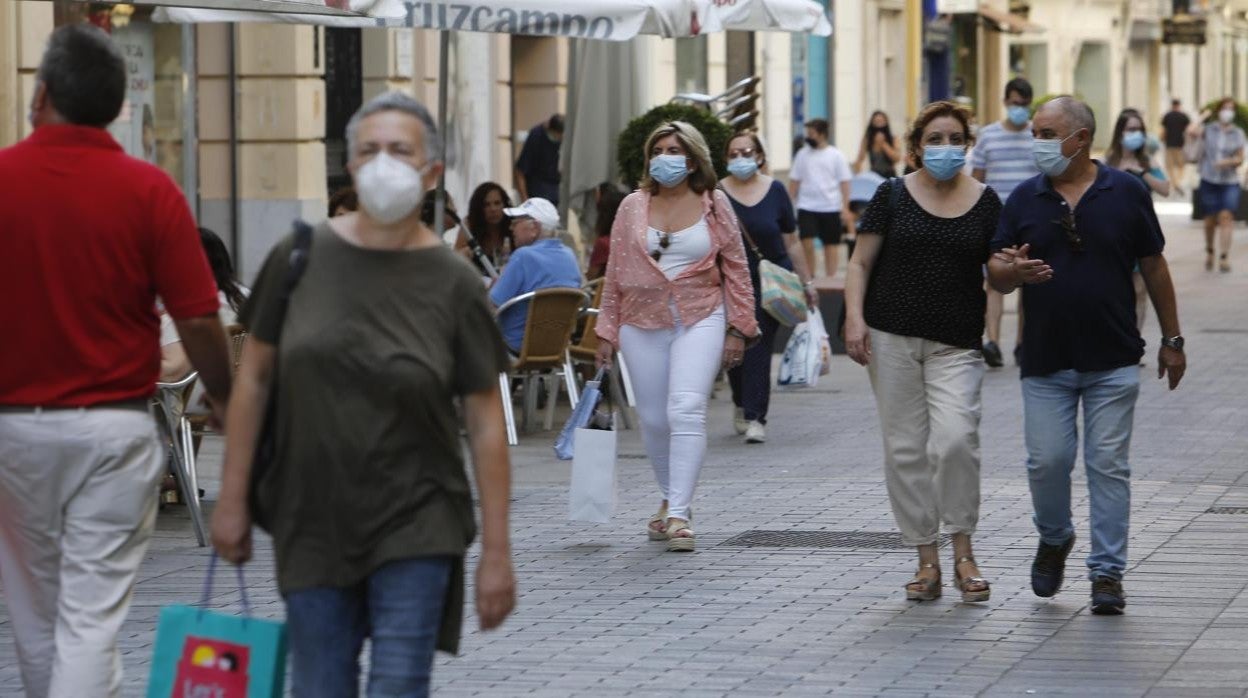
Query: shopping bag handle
point(242, 586)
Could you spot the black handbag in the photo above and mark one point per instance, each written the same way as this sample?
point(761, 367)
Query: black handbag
point(266, 440)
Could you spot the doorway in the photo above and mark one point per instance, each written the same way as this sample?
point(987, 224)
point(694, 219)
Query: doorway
point(344, 93)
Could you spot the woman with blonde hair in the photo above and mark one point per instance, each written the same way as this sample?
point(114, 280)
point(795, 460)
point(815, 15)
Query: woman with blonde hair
point(914, 302)
point(679, 305)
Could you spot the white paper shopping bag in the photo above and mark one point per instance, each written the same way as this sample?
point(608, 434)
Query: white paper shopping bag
point(592, 496)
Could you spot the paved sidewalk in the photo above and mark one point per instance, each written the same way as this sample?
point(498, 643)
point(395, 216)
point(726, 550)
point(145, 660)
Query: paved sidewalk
point(605, 612)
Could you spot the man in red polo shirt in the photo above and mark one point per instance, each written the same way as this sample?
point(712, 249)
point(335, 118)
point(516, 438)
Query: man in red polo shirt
point(89, 237)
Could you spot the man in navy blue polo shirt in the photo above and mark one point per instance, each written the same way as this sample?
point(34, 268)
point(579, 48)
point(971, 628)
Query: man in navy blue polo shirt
point(1072, 236)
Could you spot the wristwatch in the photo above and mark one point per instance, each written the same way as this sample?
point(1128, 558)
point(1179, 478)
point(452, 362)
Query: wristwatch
point(1175, 342)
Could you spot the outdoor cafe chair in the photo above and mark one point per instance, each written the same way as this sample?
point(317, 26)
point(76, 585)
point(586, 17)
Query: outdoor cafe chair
point(171, 401)
point(551, 317)
point(182, 431)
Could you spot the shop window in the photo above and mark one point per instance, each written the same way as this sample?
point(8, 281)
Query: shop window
point(1031, 61)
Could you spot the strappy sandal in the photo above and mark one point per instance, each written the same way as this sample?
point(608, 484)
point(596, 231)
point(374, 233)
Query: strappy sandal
point(974, 589)
point(1223, 265)
point(656, 528)
point(920, 589)
point(679, 536)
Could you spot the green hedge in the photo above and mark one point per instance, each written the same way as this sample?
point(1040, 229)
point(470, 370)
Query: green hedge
point(633, 162)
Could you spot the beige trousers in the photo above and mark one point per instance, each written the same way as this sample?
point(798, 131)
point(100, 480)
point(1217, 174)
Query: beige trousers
point(927, 394)
point(77, 506)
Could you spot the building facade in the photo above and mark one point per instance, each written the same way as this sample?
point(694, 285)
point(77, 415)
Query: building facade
point(249, 118)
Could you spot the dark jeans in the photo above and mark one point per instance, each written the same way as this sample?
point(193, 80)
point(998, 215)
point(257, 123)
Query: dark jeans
point(751, 381)
point(399, 607)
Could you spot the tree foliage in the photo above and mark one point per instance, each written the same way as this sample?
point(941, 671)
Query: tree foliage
point(633, 162)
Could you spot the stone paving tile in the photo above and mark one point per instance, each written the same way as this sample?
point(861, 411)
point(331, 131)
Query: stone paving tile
point(604, 612)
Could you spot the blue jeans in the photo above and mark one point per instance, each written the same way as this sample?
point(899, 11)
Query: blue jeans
point(1051, 409)
point(399, 607)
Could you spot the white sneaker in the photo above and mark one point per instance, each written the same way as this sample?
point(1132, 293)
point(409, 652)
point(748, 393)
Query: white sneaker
point(755, 433)
point(738, 420)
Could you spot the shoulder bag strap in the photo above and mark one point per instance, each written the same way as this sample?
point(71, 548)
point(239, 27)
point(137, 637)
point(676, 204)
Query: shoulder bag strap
point(744, 233)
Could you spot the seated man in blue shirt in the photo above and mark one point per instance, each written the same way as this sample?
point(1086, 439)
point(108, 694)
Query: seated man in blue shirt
point(540, 261)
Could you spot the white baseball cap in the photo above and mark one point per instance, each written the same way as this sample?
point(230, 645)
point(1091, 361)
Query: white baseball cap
point(539, 210)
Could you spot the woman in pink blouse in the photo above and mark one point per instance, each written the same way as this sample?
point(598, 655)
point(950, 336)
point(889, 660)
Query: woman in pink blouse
point(679, 304)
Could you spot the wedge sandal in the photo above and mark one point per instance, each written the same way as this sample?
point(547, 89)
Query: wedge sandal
point(974, 589)
point(920, 589)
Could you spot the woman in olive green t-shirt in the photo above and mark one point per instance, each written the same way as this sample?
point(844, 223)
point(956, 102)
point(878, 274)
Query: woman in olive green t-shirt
point(366, 498)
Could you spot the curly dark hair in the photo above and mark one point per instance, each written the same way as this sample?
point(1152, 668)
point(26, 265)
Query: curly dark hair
point(933, 111)
point(489, 238)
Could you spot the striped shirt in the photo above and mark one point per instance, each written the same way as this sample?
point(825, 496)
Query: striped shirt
point(1220, 144)
point(1005, 157)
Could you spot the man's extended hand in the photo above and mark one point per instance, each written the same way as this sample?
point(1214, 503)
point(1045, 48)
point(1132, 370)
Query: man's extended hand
point(1026, 270)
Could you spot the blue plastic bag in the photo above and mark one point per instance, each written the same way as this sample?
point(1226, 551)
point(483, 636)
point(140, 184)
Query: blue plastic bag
point(201, 652)
point(581, 415)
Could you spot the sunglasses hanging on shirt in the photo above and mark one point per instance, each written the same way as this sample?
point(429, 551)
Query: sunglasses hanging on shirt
point(665, 240)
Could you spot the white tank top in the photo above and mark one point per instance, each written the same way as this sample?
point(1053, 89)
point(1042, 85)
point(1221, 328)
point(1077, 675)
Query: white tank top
point(684, 249)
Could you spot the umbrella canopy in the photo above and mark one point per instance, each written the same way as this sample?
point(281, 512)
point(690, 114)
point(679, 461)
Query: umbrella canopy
point(610, 20)
point(799, 16)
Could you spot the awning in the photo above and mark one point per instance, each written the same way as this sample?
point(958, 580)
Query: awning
point(613, 20)
point(1005, 22)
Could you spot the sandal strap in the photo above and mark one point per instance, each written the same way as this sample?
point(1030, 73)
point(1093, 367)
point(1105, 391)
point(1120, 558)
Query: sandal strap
point(675, 528)
point(965, 558)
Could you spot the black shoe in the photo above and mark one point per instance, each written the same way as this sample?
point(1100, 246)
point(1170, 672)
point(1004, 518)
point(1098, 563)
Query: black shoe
point(992, 355)
point(1049, 567)
point(1107, 597)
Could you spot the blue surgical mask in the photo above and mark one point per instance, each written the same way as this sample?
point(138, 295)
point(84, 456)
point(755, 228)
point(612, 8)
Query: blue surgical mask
point(743, 168)
point(669, 170)
point(1047, 153)
point(943, 161)
point(1132, 140)
point(1018, 115)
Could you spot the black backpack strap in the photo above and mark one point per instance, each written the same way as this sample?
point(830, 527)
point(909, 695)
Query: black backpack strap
point(296, 265)
point(298, 258)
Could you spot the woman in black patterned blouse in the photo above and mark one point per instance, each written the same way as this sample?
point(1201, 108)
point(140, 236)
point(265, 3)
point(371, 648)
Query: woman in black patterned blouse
point(914, 316)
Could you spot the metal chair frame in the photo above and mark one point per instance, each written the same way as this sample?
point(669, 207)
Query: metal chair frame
point(180, 429)
point(171, 399)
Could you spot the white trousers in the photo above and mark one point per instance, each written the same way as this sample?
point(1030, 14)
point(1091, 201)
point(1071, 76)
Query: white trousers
point(672, 372)
point(77, 506)
point(927, 394)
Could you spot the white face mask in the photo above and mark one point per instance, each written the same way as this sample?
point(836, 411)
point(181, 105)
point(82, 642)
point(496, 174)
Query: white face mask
point(389, 189)
point(1226, 116)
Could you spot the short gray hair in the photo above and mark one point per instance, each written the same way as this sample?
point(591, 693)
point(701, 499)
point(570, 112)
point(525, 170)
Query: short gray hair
point(84, 74)
point(1078, 114)
point(396, 101)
